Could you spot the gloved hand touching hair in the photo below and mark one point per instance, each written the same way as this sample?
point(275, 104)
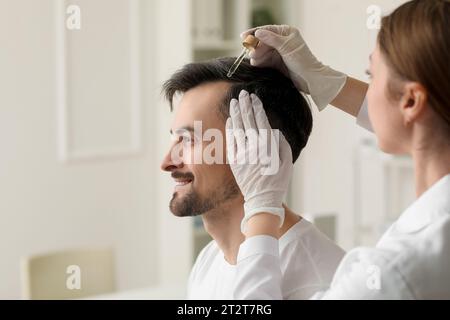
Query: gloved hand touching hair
point(260, 158)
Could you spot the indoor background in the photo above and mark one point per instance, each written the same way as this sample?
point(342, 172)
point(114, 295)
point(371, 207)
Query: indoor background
point(83, 128)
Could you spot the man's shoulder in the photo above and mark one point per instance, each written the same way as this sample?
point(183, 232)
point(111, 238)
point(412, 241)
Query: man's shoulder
point(305, 249)
point(308, 260)
point(306, 235)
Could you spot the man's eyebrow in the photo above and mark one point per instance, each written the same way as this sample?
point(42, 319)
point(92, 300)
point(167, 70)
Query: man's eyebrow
point(370, 58)
point(185, 128)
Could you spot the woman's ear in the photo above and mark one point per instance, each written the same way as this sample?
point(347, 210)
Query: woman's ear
point(413, 102)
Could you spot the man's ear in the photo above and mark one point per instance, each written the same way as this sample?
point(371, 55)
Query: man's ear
point(413, 102)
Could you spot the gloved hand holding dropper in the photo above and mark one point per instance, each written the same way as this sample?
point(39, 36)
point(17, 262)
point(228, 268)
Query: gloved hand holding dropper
point(283, 48)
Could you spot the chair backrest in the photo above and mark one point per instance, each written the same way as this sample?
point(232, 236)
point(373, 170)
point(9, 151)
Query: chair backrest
point(68, 274)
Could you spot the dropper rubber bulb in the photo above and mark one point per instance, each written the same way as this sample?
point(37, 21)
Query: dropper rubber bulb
point(250, 43)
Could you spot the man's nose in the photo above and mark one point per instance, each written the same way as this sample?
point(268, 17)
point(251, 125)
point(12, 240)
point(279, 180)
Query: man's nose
point(169, 164)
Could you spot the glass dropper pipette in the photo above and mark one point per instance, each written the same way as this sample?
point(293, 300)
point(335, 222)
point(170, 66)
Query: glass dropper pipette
point(250, 43)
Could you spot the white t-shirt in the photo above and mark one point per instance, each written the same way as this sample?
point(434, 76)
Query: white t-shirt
point(308, 262)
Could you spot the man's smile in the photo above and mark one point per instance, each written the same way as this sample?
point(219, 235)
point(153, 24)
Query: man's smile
point(182, 182)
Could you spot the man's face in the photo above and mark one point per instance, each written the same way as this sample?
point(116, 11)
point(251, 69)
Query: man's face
point(199, 186)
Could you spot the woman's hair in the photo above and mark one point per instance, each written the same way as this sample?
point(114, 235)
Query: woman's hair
point(415, 42)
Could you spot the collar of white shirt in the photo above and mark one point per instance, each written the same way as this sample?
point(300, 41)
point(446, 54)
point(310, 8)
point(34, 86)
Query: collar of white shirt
point(434, 203)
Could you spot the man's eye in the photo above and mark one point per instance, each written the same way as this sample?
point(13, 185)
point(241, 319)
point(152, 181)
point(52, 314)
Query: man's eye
point(369, 74)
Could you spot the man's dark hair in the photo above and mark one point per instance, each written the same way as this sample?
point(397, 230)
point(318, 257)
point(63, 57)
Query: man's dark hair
point(286, 108)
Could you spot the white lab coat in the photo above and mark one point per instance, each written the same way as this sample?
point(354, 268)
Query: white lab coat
point(411, 260)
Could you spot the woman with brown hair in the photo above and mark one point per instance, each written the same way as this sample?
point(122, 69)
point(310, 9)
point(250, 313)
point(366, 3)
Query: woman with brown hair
point(408, 104)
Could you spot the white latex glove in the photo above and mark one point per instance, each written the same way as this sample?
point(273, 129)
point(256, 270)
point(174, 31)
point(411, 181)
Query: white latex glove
point(283, 48)
point(262, 176)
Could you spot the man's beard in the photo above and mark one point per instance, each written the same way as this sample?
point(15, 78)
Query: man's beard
point(192, 204)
